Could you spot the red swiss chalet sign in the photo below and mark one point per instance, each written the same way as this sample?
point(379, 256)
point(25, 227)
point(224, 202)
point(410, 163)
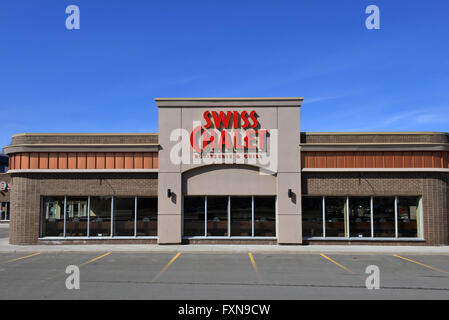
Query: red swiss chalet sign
point(231, 130)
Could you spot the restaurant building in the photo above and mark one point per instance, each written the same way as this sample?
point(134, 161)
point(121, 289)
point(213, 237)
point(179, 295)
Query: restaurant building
point(230, 170)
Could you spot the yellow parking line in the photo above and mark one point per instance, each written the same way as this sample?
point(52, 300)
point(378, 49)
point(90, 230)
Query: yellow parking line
point(421, 264)
point(253, 262)
point(83, 264)
point(95, 259)
point(166, 267)
point(28, 256)
point(338, 264)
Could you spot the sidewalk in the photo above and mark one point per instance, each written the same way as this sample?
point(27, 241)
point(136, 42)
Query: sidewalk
point(5, 247)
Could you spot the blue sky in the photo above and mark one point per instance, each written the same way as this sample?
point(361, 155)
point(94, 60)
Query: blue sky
point(104, 77)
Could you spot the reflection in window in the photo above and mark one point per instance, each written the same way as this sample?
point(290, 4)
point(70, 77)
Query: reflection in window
point(91, 217)
point(408, 217)
point(383, 217)
point(124, 216)
point(217, 216)
point(196, 208)
point(358, 210)
point(312, 217)
point(264, 216)
point(335, 217)
point(100, 216)
point(241, 216)
point(53, 217)
point(146, 217)
point(360, 216)
point(76, 217)
point(4, 211)
point(194, 216)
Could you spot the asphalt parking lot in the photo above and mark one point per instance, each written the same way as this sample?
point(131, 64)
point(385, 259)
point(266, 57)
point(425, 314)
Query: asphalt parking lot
point(221, 276)
point(152, 275)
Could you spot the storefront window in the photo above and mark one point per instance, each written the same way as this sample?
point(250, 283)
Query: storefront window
point(4, 211)
point(100, 216)
point(76, 217)
point(124, 214)
point(194, 215)
point(335, 216)
point(265, 216)
point(408, 217)
point(363, 223)
point(215, 208)
point(217, 216)
point(241, 216)
point(384, 217)
point(146, 217)
point(312, 216)
point(91, 217)
point(360, 217)
point(53, 217)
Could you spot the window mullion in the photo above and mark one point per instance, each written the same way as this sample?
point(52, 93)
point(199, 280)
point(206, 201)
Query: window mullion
point(112, 215)
point(396, 216)
point(347, 218)
point(205, 216)
point(229, 216)
point(323, 211)
point(65, 209)
point(252, 216)
point(135, 216)
point(88, 216)
point(372, 216)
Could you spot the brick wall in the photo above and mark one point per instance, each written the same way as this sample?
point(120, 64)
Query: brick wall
point(433, 187)
point(28, 189)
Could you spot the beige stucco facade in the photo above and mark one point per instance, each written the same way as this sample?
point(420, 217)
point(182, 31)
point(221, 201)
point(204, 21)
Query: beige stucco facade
point(275, 174)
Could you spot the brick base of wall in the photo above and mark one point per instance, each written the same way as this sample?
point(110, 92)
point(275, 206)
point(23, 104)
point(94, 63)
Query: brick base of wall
point(28, 188)
point(96, 241)
point(364, 242)
point(228, 241)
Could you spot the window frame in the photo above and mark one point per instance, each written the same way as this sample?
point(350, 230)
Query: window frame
point(419, 223)
point(229, 236)
point(111, 236)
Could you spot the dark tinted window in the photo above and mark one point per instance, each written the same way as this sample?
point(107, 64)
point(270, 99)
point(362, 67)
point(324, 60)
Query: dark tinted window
point(408, 214)
point(217, 216)
point(360, 216)
point(265, 216)
point(194, 216)
point(76, 217)
point(383, 217)
point(335, 216)
point(100, 216)
point(312, 216)
point(241, 216)
point(124, 215)
point(146, 217)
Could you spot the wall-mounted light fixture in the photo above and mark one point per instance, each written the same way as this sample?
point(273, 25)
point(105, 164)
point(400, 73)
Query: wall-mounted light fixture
point(169, 193)
point(290, 193)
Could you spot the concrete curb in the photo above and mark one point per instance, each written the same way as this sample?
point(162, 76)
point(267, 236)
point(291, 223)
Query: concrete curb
point(225, 249)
